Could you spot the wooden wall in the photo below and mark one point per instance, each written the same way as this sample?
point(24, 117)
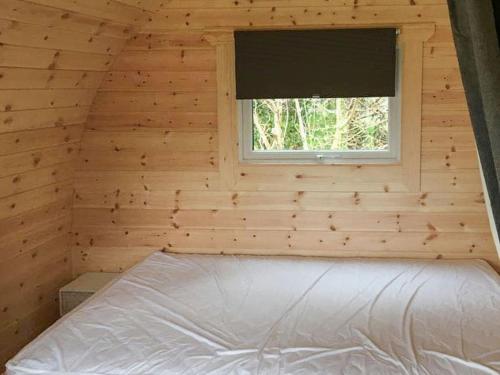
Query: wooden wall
point(53, 56)
point(149, 174)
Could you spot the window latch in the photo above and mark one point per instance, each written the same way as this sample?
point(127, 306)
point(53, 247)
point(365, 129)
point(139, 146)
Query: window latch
point(334, 156)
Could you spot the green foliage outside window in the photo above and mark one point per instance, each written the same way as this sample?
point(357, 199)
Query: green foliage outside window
point(337, 124)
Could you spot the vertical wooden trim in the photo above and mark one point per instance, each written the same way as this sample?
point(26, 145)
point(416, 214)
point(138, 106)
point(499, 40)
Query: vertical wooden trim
point(226, 106)
point(411, 40)
point(411, 114)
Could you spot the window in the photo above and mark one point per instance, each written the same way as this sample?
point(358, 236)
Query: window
point(354, 119)
point(332, 130)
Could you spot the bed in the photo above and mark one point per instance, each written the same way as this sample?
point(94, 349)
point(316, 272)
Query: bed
point(201, 314)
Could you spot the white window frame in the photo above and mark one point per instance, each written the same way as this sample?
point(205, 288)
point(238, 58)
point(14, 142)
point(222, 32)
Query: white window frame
point(390, 156)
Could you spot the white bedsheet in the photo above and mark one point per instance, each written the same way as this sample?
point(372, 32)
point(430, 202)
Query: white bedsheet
point(195, 314)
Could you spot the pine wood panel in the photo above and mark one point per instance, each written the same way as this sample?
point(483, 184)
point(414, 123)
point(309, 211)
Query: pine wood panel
point(160, 80)
point(297, 220)
point(17, 10)
point(112, 10)
point(442, 79)
point(167, 40)
point(149, 175)
point(30, 325)
point(19, 78)
point(148, 181)
point(183, 4)
point(42, 118)
point(53, 57)
point(456, 120)
point(27, 140)
point(35, 178)
point(124, 210)
point(446, 160)
point(316, 242)
point(37, 288)
point(141, 159)
point(32, 199)
point(148, 197)
point(295, 16)
point(40, 36)
point(19, 100)
point(15, 244)
point(110, 101)
point(131, 121)
point(168, 60)
point(32, 219)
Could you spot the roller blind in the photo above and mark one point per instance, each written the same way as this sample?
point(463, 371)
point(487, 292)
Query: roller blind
point(315, 63)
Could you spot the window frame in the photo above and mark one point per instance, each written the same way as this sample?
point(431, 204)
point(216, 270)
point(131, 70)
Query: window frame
point(390, 156)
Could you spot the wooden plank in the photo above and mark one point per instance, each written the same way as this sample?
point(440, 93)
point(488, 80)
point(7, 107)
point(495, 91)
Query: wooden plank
point(442, 79)
point(412, 105)
point(40, 138)
point(444, 140)
point(248, 17)
point(280, 220)
point(270, 241)
point(169, 60)
point(105, 182)
point(25, 34)
point(142, 160)
point(27, 57)
point(468, 180)
point(132, 121)
point(18, 300)
point(36, 178)
point(21, 78)
point(26, 328)
point(458, 120)
point(366, 178)
point(18, 100)
point(160, 81)
point(288, 201)
point(21, 242)
point(33, 199)
point(29, 12)
point(226, 107)
point(111, 10)
point(105, 259)
point(447, 160)
point(210, 4)
point(440, 49)
point(445, 98)
point(171, 40)
point(151, 141)
point(42, 118)
point(149, 101)
point(437, 62)
point(38, 216)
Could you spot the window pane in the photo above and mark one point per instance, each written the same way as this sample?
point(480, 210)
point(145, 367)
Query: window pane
point(333, 124)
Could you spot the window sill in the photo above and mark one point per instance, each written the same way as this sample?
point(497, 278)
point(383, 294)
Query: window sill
point(324, 162)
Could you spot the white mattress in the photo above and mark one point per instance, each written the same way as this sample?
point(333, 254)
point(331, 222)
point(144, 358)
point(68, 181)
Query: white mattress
point(195, 314)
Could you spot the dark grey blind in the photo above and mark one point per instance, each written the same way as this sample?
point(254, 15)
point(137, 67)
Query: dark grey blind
point(307, 63)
